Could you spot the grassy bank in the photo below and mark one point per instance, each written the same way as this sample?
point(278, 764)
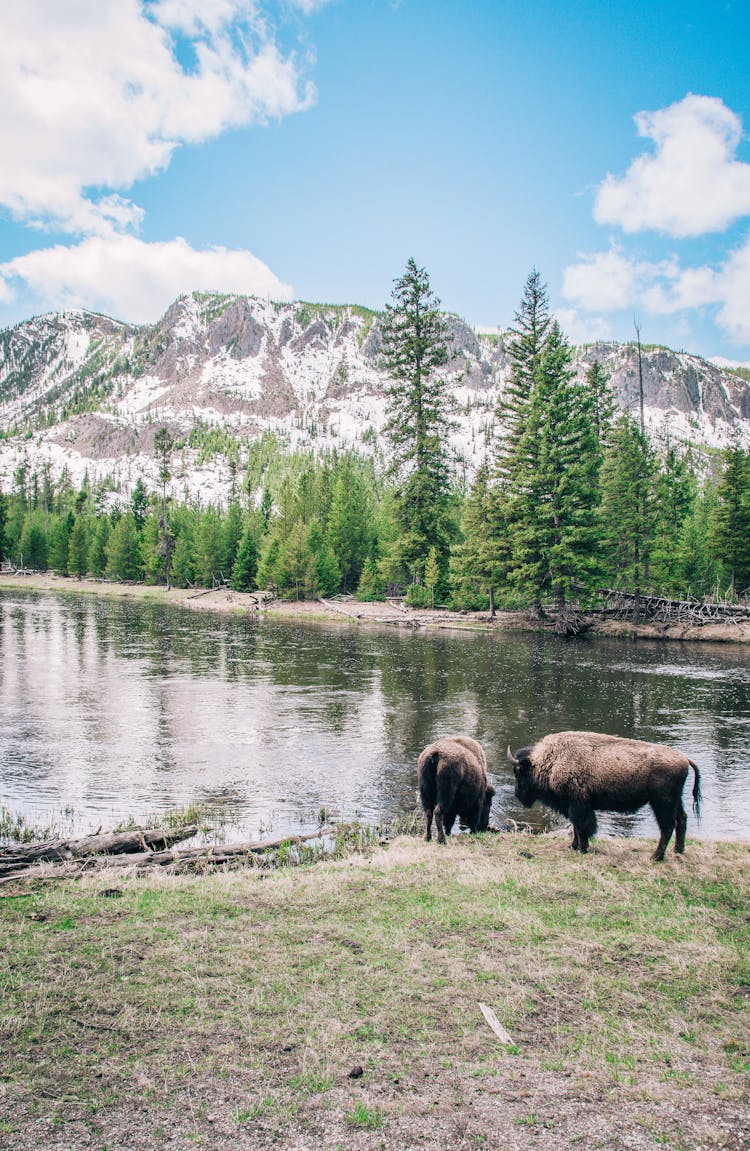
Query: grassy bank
point(336, 1005)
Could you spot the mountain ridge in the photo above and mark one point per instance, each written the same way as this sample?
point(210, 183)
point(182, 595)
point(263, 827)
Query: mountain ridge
point(82, 392)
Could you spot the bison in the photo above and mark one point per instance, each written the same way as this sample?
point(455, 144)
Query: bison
point(581, 772)
point(452, 776)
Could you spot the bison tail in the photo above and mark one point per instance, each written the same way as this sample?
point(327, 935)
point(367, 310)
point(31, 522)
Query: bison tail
point(697, 796)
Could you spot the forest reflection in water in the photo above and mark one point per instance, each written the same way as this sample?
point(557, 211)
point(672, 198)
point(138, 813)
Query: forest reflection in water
point(114, 709)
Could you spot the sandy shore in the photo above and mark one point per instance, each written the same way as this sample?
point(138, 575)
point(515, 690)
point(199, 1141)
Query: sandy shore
point(354, 612)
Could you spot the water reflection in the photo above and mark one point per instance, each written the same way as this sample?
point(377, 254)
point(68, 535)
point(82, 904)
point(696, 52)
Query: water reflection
point(122, 708)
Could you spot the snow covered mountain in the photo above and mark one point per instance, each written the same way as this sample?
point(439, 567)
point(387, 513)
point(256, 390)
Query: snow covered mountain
point(83, 392)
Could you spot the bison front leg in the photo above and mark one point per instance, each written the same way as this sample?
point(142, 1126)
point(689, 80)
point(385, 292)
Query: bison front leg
point(583, 819)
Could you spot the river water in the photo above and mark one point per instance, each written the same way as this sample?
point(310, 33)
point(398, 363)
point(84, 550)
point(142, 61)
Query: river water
point(120, 709)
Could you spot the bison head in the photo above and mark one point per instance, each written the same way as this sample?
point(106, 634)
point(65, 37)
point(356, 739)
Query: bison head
point(523, 771)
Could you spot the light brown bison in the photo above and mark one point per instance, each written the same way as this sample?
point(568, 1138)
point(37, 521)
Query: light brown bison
point(452, 776)
point(580, 772)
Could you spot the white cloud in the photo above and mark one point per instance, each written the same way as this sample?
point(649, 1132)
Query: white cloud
point(133, 280)
point(582, 329)
point(733, 284)
point(97, 94)
point(691, 184)
point(612, 281)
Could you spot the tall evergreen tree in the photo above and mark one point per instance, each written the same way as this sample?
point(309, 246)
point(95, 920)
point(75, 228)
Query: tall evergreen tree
point(418, 419)
point(479, 561)
point(245, 568)
point(123, 550)
point(546, 459)
point(164, 446)
point(553, 533)
point(139, 503)
point(602, 403)
point(59, 539)
point(350, 522)
point(526, 343)
point(730, 529)
point(675, 492)
point(627, 507)
point(97, 560)
point(3, 521)
point(78, 547)
point(517, 447)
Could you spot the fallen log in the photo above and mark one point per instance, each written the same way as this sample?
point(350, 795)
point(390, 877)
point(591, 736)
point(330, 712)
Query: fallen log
point(136, 839)
point(213, 855)
point(336, 607)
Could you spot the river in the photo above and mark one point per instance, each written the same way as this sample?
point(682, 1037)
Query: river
point(115, 709)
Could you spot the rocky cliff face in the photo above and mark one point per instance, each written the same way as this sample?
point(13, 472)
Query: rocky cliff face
point(84, 393)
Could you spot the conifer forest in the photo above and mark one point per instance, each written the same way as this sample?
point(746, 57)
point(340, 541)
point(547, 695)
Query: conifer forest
point(572, 499)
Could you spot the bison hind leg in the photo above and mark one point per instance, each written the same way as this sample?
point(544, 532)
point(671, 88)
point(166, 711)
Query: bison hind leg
point(680, 829)
point(667, 817)
point(449, 818)
point(428, 823)
point(583, 818)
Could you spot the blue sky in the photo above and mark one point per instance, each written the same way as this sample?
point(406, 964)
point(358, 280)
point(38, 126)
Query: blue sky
point(307, 148)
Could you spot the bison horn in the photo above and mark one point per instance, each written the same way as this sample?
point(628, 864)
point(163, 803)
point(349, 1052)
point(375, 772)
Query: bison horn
point(511, 756)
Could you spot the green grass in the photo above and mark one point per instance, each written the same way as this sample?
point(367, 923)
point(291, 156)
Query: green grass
point(249, 996)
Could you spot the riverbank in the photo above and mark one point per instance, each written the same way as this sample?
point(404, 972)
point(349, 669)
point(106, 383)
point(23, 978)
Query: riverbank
point(354, 612)
point(337, 1005)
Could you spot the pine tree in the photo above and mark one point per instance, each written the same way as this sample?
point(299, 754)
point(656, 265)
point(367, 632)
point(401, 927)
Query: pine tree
point(370, 585)
point(78, 547)
point(602, 403)
point(34, 543)
point(164, 446)
point(525, 347)
point(3, 521)
point(547, 463)
point(627, 508)
point(517, 448)
point(431, 574)
point(139, 503)
point(324, 574)
point(479, 561)
point(123, 550)
point(696, 568)
point(350, 522)
point(208, 549)
point(418, 420)
point(675, 492)
point(245, 566)
point(97, 559)
point(59, 538)
point(730, 529)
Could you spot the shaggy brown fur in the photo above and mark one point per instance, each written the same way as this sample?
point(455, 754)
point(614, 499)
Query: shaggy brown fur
point(580, 772)
point(452, 776)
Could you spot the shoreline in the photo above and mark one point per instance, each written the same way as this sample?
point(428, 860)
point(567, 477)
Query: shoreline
point(357, 612)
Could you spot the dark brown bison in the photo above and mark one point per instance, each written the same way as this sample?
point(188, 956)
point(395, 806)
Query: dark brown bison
point(452, 776)
point(580, 772)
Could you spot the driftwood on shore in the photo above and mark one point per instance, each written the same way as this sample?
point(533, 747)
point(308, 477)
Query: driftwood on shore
point(128, 842)
point(661, 609)
point(139, 849)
